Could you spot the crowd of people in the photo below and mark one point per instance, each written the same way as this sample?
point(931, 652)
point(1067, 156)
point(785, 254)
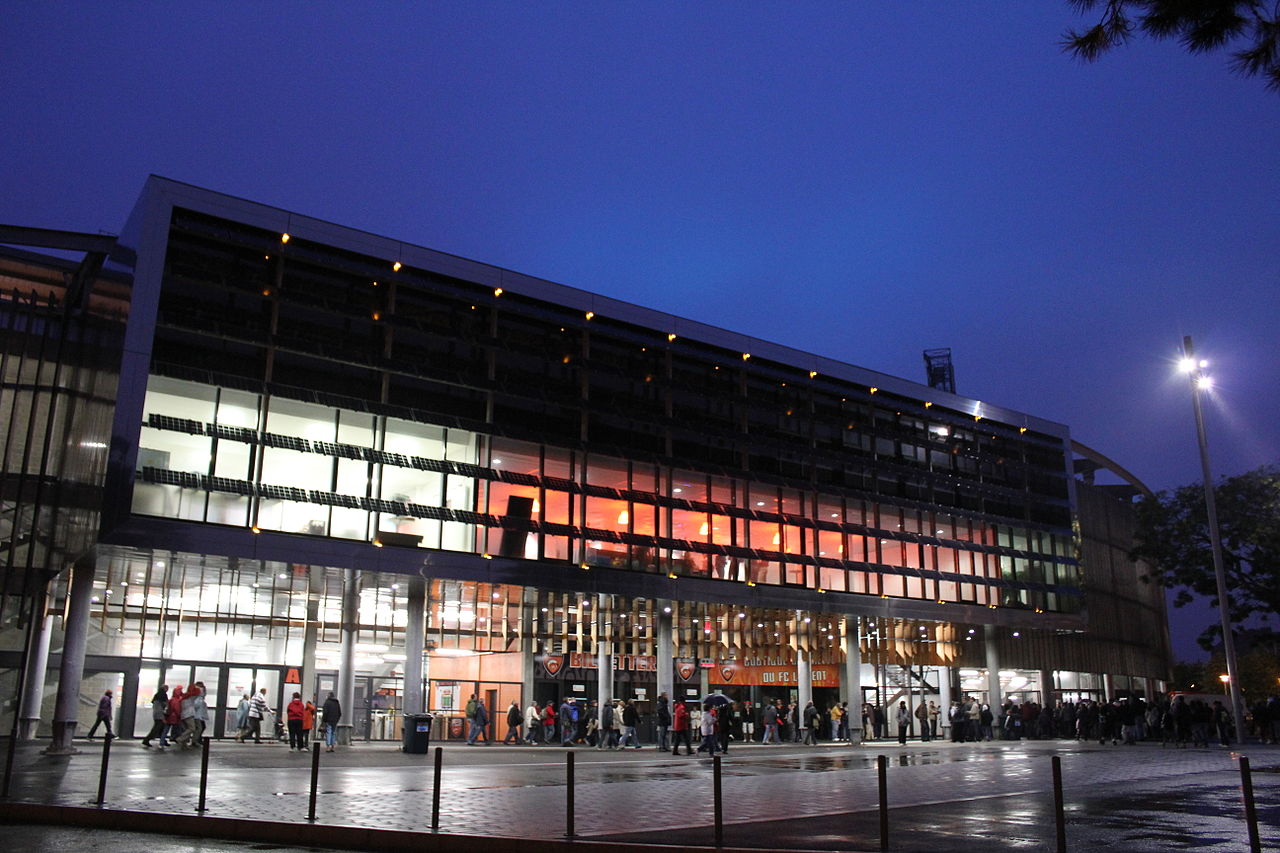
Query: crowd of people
point(181, 718)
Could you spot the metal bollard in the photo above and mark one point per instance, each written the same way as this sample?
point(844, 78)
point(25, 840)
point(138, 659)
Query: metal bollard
point(568, 796)
point(102, 776)
point(1058, 813)
point(719, 802)
point(1250, 812)
point(435, 791)
point(882, 765)
point(204, 772)
point(315, 780)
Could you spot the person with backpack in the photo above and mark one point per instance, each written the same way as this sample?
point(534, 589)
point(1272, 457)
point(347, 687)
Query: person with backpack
point(514, 720)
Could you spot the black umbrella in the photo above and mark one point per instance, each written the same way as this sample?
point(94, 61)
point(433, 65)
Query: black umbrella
point(716, 699)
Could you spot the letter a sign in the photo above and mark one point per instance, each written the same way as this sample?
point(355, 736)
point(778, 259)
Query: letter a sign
point(292, 677)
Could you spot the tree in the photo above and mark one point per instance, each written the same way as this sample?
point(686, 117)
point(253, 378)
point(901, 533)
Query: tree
point(1174, 539)
point(1201, 25)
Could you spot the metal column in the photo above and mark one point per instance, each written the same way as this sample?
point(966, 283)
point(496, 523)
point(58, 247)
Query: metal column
point(347, 670)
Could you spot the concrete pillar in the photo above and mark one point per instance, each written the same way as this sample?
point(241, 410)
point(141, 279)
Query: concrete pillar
point(853, 678)
point(127, 708)
point(604, 668)
point(944, 700)
point(347, 667)
point(311, 636)
point(666, 667)
point(414, 641)
point(804, 682)
point(994, 699)
point(1108, 688)
point(1046, 688)
point(71, 671)
point(37, 666)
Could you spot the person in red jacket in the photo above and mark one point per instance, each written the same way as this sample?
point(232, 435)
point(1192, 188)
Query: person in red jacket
point(680, 729)
point(173, 719)
point(308, 721)
point(295, 711)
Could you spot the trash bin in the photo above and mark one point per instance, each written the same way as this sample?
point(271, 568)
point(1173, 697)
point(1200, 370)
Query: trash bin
point(417, 733)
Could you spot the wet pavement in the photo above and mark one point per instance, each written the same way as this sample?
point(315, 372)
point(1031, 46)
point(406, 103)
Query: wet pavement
point(940, 794)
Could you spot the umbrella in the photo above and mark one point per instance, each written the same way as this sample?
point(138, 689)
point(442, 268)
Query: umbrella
point(716, 699)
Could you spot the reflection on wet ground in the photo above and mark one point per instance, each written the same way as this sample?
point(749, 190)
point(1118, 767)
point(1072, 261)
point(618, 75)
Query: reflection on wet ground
point(1203, 816)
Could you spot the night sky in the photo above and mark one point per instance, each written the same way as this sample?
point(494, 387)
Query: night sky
point(861, 180)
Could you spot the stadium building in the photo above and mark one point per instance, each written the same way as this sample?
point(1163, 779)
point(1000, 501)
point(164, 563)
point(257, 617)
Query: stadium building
point(254, 449)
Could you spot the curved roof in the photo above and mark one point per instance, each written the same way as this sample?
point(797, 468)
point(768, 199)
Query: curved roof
point(1102, 462)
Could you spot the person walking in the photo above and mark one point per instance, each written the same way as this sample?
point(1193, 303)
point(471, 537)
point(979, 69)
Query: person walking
point(680, 730)
point(242, 718)
point(812, 720)
point(708, 730)
point(771, 724)
point(904, 722)
point(532, 723)
point(836, 714)
point(514, 720)
point(664, 722)
point(549, 722)
point(173, 717)
point(200, 711)
point(159, 708)
point(479, 724)
point(330, 714)
point(187, 718)
point(258, 710)
point(630, 720)
point(293, 712)
point(104, 716)
point(607, 713)
point(568, 724)
point(933, 720)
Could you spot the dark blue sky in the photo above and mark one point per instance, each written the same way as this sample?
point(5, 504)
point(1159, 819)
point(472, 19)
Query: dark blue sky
point(863, 180)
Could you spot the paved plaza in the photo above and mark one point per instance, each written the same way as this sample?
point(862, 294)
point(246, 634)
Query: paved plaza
point(941, 795)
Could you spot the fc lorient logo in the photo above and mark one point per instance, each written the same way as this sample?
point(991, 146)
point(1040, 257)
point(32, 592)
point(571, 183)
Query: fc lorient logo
point(552, 663)
point(686, 670)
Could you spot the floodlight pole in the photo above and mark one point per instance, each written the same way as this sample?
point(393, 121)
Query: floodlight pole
point(1215, 540)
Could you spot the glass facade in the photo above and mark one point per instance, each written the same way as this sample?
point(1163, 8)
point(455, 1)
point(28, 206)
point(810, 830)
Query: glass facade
point(270, 463)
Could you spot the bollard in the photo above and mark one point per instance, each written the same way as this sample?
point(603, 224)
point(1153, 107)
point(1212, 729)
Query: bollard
point(204, 772)
point(719, 802)
point(1059, 815)
point(1250, 812)
point(315, 780)
point(435, 792)
point(882, 765)
point(568, 796)
point(102, 776)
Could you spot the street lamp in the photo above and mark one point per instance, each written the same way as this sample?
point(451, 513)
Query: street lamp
point(1200, 383)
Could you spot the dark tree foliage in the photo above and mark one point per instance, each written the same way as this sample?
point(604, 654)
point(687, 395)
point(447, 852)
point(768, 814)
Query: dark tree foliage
point(1174, 536)
point(1252, 27)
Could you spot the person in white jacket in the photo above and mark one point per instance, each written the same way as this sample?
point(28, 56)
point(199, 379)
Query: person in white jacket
point(532, 723)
